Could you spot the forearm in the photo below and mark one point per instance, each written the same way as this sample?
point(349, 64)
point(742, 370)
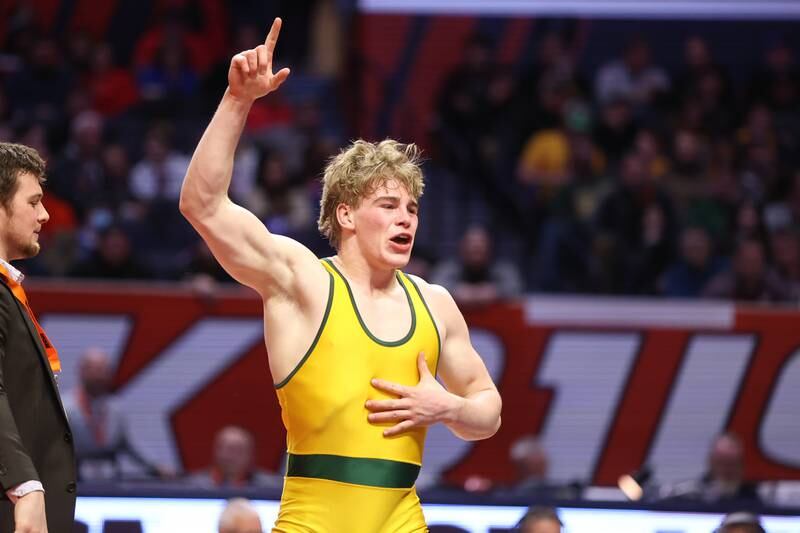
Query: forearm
point(476, 416)
point(209, 175)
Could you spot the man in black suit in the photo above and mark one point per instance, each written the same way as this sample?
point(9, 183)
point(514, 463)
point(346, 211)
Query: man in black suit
point(37, 461)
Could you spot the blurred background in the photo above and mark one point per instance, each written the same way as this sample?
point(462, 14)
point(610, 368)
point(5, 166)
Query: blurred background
point(612, 196)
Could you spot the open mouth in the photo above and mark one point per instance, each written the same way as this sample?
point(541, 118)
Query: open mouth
point(402, 239)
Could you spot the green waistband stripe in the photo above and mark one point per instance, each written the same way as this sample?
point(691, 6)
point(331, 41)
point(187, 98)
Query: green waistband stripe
point(356, 470)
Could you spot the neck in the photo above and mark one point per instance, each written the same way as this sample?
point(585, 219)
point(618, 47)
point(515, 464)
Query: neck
point(358, 271)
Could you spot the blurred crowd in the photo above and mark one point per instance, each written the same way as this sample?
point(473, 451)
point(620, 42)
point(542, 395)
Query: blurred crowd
point(629, 178)
point(116, 121)
point(635, 179)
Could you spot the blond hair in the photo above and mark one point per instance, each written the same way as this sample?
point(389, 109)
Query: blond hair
point(360, 169)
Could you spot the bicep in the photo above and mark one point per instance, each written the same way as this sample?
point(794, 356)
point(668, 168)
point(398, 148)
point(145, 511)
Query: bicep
point(246, 249)
point(461, 368)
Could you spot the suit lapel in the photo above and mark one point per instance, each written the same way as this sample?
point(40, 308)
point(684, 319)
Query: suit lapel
point(37, 341)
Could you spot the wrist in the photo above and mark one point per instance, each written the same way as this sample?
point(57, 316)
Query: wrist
point(23, 489)
point(242, 103)
point(453, 413)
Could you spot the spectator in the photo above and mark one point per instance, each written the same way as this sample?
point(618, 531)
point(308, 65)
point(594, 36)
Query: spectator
point(564, 260)
point(239, 516)
point(38, 91)
point(757, 141)
point(284, 207)
point(202, 45)
point(726, 191)
point(749, 278)
point(778, 83)
point(553, 62)
point(688, 182)
point(697, 265)
point(113, 258)
point(633, 77)
point(116, 173)
point(159, 174)
point(710, 97)
point(786, 211)
point(112, 88)
point(167, 83)
point(615, 132)
point(747, 224)
point(648, 146)
point(78, 175)
point(477, 277)
point(234, 463)
point(636, 224)
point(724, 480)
point(785, 247)
point(99, 426)
point(532, 464)
point(462, 106)
point(540, 520)
point(546, 158)
point(740, 523)
point(697, 60)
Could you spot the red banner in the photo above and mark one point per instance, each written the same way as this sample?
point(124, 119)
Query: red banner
point(608, 385)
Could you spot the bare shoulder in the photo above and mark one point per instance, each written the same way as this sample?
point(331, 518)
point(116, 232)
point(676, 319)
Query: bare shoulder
point(439, 299)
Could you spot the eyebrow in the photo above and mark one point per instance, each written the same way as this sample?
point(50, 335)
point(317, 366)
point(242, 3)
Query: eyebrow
point(385, 198)
point(395, 199)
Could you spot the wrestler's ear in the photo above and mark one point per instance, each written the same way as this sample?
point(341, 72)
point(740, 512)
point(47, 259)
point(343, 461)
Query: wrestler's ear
point(344, 216)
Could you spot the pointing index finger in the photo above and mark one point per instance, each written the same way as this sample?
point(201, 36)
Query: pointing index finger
point(272, 36)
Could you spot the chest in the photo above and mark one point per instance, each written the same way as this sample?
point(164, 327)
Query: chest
point(386, 318)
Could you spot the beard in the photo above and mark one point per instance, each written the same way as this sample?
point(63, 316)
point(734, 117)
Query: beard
point(27, 249)
point(32, 249)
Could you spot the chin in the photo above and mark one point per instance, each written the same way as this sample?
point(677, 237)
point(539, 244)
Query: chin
point(32, 250)
point(398, 261)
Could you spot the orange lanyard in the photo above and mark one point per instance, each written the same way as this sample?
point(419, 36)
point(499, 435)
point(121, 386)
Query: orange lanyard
point(19, 293)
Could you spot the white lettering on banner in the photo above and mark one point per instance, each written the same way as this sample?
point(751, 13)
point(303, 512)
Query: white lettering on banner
point(195, 358)
point(700, 403)
point(780, 434)
point(588, 373)
point(442, 448)
point(72, 334)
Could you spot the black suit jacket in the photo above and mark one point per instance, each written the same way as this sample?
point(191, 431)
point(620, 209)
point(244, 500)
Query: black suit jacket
point(35, 440)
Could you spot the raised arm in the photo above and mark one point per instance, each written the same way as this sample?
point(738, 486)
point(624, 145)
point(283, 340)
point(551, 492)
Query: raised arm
point(237, 238)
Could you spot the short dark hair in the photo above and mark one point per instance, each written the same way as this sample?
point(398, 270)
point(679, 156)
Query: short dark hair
point(540, 513)
point(14, 159)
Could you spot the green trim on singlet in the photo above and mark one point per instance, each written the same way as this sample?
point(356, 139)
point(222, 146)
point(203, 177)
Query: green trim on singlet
point(316, 338)
point(356, 470)
point(430, 315)
point(361, 321)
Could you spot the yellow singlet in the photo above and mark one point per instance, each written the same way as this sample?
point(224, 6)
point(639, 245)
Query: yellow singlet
point(343, 475)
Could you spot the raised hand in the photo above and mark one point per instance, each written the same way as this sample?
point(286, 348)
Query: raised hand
point(424, 404)
point(250, 74)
